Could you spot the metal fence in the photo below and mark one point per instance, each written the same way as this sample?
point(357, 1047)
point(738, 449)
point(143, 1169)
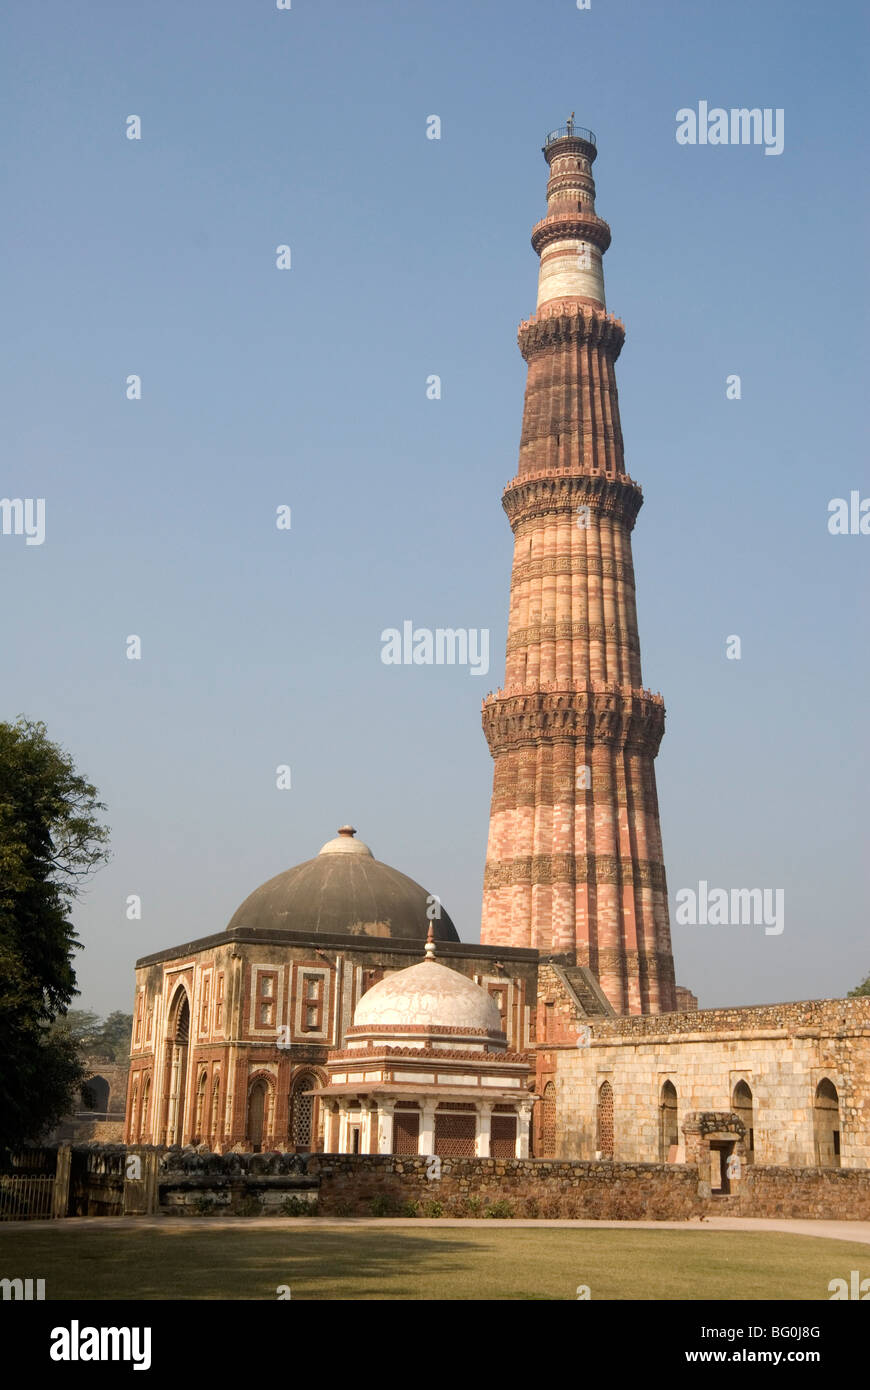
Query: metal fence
point(578, 132)
point(27, 1197)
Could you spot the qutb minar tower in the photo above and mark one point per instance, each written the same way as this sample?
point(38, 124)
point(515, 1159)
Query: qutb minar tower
point(574, 861)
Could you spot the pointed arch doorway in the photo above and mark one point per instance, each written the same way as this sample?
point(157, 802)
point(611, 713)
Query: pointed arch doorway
point(175, 1071)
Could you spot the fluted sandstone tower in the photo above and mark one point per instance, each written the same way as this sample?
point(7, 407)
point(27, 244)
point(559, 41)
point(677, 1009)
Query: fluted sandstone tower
point(574, 861)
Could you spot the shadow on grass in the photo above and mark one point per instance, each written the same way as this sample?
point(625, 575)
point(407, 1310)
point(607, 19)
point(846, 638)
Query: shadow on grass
point(221, 1262)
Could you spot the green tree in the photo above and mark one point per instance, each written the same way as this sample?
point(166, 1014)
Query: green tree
point(859, 990)
point(108, 1037)
point(82, 1025)
point(115, 1035)
point(50, 840)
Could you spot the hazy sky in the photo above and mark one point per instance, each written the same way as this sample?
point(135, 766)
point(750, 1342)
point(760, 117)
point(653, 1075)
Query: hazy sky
point(307, 387)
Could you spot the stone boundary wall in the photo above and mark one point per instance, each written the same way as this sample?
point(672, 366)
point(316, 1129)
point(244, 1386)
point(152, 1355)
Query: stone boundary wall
point(534, 1187)
point(831, 1194)
point(830, 1016)
point(99, 1181)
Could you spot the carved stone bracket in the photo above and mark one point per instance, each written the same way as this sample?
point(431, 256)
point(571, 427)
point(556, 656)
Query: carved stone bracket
point(549, 493)
point(626, 719)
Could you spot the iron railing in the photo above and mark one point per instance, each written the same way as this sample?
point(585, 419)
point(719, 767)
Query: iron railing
point(578, 132)
point(26, 1198)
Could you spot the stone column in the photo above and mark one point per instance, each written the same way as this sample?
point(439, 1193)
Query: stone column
point(172, 1136)
point(484, 1128)
point(370, 1136)
point(385, 1126)
point(524, 1120)
point(427, 1128)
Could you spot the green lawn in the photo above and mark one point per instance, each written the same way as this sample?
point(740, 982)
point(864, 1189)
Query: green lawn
point(204, 1260)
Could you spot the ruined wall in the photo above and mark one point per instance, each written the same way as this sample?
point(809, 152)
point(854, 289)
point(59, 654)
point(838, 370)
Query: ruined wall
point(780, 1051)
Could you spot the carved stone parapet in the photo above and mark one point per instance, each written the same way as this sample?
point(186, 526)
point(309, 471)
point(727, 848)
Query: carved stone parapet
point(622, 717)
point(570, 321)
point(571, 226)
point(542, 494)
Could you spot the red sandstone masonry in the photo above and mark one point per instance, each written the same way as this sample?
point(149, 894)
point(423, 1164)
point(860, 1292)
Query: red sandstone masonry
point(573, 869)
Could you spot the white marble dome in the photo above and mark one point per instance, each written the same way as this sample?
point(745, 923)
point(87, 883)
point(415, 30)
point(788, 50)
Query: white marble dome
point(427, 995)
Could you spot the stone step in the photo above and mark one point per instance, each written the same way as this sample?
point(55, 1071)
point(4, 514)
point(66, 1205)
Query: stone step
point(587, 991)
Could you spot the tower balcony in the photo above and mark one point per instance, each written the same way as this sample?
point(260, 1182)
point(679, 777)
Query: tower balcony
point(570, 139)
point(570, 131)
point(571, 226)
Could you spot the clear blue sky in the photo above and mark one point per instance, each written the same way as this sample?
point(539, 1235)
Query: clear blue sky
point(307, 387)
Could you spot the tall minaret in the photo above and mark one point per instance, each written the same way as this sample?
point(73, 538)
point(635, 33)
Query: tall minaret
point(574, 862)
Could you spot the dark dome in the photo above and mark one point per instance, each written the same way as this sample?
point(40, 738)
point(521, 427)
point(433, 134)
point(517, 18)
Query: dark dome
point(345, 891)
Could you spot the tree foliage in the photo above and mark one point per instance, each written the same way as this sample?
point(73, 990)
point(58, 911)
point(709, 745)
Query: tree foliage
point(50, 840)
point(96, 1037)
point(859, 990)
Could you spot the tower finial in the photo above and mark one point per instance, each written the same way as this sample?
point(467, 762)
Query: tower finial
point(430, 943)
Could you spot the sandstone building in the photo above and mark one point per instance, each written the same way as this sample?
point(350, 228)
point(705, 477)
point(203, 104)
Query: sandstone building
point(233, 1033)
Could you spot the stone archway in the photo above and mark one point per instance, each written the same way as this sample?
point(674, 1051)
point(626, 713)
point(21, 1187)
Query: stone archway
point(826, 1124)
point(547, 1143)
point(175, 1069)
point(743, 1105)
point(669, 1130)
point(605, 1120)
point(256, 1121)
point(95, 1095)
point(303, 1113)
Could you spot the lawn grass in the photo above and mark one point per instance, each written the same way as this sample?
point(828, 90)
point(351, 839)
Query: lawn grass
point(204, 1260)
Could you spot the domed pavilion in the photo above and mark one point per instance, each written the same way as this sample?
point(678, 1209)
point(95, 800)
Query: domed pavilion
point(425, 1070)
